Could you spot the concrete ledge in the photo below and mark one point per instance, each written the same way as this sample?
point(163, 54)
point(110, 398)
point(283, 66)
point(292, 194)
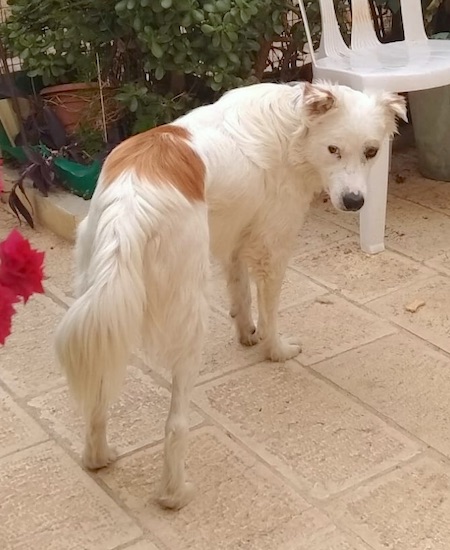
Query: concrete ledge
point(60, 212)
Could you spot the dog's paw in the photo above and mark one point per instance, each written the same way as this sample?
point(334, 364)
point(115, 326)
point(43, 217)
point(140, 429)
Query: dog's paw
point(249, 337)
point(94, 459)
point(284, 349)
point(177, 499)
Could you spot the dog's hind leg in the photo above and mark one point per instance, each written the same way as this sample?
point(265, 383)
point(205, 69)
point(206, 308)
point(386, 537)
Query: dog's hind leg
point(97, 453)
point(179, 311)
point(184, 357)
point(238, 283)
point(176, 491)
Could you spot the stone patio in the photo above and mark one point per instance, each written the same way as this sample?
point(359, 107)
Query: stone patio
point(346, 448)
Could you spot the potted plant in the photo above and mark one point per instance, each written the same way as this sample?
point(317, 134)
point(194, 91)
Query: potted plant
point(66, 51)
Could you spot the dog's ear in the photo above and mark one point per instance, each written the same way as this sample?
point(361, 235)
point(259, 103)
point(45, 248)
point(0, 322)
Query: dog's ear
point(394, 107)
point(318, 99)
point(395, 104)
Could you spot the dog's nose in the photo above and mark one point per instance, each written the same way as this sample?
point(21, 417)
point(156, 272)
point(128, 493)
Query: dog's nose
point(353, 201)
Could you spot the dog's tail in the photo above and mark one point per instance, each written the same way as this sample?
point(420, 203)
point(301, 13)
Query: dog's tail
point(97, 334)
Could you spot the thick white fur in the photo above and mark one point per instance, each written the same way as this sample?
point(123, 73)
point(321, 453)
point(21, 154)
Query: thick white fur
point(142, 254)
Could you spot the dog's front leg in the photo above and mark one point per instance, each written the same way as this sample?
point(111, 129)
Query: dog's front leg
point(238, 283)
point(269, 288)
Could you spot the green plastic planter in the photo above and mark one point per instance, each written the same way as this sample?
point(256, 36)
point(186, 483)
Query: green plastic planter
point(5, 145)
point(79, 179)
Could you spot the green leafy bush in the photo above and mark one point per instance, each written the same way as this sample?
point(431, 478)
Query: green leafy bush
point(161, 53)
point(58, 39)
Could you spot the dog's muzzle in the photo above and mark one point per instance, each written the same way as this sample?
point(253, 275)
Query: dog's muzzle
point(353, 201)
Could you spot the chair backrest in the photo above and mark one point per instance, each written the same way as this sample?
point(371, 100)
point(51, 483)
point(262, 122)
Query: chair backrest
point(363, 32)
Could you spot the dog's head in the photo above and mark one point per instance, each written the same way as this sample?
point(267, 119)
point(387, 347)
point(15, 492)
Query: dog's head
point(345, 130)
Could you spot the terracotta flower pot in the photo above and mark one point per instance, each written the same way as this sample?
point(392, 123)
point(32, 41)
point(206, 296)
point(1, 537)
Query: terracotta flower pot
point(79, 103)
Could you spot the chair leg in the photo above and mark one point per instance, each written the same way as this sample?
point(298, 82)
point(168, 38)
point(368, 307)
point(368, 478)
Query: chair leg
point(373, 214)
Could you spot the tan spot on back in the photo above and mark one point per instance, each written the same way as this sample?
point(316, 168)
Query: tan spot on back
point(161, 156)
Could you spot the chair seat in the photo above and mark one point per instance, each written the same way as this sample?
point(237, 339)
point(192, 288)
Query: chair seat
point(397, 66)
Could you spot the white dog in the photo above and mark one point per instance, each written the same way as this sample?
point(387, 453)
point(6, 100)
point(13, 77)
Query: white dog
point(235, 178)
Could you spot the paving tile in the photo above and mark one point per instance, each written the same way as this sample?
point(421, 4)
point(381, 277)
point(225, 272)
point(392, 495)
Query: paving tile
point(27, 360)
point(142, 545)
point(332, 539)
point(296, 289)
point(321, 440)
point(408, 509)
point(223, 353)
point(330, 325)
point(137, 419)
point(416, 231)
point(317, 233)
point(49, 503)
point(402, 378)
point(362, 277)
point(411, 229)
point(239, 503)
point(432, 321)
point(407, 183)
point(441, 263)
point(58, 263)
point(17, 429)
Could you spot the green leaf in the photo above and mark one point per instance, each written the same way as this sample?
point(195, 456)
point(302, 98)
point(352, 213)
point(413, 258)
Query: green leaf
point(34, 73)
point(216, 86)
point(234, 58)
point(121, 6)
point(207, 29)
point(222, 61)
point(145, 3)
point(232, 35)
point(156, 50)
point(137, 23)
point(131, 4)
point(209, 8)
point(166, 4)
point(223, 5)
point(198, 16)
point(186, 21)
point(134, 104)
point(253, 45)
point(25, 53)
point(159, 73)
point(216, 40)
point(225, 42)
point(245, 17)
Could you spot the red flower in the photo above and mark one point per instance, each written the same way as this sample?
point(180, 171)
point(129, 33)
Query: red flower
point(7, 299)
point(21, 267)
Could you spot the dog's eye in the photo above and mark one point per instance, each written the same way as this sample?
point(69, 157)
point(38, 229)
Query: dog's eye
point(333, 149)
point(370, 152)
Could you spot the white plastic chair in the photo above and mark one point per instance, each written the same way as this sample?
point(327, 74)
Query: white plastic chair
point(416, 63)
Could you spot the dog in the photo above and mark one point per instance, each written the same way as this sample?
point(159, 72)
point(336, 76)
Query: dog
point(235, 179)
